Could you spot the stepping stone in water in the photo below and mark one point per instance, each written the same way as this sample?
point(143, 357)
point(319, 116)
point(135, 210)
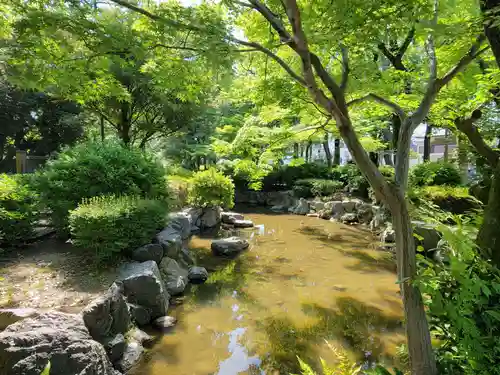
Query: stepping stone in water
point(229, 246)
point(243, 224)
point(231, 217)
point(165, 322)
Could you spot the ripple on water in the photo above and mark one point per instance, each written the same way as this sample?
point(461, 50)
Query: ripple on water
point(302, 281)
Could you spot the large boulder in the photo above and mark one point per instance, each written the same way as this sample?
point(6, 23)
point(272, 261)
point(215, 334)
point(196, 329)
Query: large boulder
point(165, 322)
point(174, 276)
point(182, 222)
point(231, 217)
point(209, 218)
point(197, 275)
point(142, 285)
point(11, 316)
point(317, 205)
point(107, 315)
point(144, 253)
point(28, 345)
point(302, 207)
point(194, 214)
point(139, 314)
point(334, 208)
point(388, 235)
point(349, 206)
point(229, 246)
point(115, 347)
point(170, 239)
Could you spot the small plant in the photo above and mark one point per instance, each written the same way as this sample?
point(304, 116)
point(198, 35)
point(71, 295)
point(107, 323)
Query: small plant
point(211, 188)
point(316, 188)
point(16, 209)
point(109, 225)
point(435, 173)
point(93, 169)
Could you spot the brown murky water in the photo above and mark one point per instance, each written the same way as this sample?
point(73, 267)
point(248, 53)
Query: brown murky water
point(303, 281)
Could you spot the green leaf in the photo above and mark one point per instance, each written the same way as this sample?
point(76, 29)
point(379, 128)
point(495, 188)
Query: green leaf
point(46, 371)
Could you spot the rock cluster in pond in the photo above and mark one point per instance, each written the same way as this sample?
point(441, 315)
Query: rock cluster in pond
point(104, 339)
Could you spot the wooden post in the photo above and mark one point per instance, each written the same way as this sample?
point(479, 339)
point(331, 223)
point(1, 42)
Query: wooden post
point(21, 157)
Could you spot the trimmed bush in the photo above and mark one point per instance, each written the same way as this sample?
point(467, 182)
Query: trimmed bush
point(16, 210)
point(109, 225)
point(284, 177)
point(435, 173)
point(316, 188)
point(454, 199)
point(211, 188)
point(93, 169)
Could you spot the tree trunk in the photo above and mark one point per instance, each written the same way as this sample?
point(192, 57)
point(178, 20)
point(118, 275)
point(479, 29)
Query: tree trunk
point(396, 127)
point(336, 152)
point(491, 29)
point(102, 129)
point(417, 327)
point(125, 124)
point(488, 238)
point(308, 150)
point(374, 158)
point(326, 147)
point(463, 162)
point(427, 143)
point(296, 150)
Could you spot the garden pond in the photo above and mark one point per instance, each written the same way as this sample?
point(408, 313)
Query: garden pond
point(304, 285)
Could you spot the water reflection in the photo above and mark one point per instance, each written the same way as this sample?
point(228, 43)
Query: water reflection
point(239, 361)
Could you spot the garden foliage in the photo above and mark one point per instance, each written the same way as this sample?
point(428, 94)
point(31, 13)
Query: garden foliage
point(211, 188)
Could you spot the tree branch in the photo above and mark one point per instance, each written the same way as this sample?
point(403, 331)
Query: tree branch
point(388, 103)
point(466, 126)
point(406, 43)
point(275, 22)
point(155, 17)
point(159, 45)
point(276, 58)
point(345, 68)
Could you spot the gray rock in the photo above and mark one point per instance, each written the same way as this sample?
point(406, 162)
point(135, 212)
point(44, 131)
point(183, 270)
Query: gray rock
point(132, 354)
point(348, 206)
point(148, 252)
point(314, 214)
point(137, 335)
point(426, 236)
point(11, 316)
point(181, 221)
point(279, 208)
point(194, 214)
point(197, 275)
point(139, 314)
point(115, 347)
point(230, 217)
point(174, 276)
point(349, 218)
point(317, 205)
point(302, 208)
point(229, 246)
point(185, 258)
point(325, 214)
point(28, 345)
point(365, 213)
point(335, 208)
point(388, 235)
point(143, 286)
point(107, 315)
point(210, 217)
point(170, 239)
point(243, 223)
point(165, 322)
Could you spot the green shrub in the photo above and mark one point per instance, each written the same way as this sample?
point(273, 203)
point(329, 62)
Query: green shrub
point(109, 225)
point(93, 169)
point(284, 177)
point(454, 199)
point(462, 295)
point(16, 209)
point(435, 173)
point(316, 188)
point(211, 188)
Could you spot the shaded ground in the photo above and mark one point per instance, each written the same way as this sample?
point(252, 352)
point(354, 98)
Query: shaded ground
point(51, 274)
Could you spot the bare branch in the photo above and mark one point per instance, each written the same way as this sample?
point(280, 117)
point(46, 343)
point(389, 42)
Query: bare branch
point(388, 103)
point(243, 4)
point(276, 58)
point(345, 67)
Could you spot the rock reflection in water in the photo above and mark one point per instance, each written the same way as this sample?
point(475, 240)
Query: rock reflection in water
point(303, 280)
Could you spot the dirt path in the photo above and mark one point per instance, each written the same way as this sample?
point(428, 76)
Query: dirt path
point(51, 274)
